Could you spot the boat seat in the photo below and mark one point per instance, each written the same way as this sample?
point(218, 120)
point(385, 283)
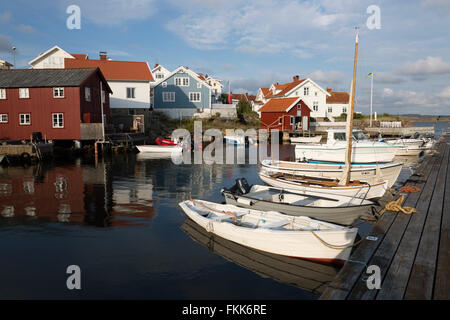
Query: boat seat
point(304, 202)
point(276, 224)
point(227, 216)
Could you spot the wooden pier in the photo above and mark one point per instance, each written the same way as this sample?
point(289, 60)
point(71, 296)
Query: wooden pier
point(412, 251)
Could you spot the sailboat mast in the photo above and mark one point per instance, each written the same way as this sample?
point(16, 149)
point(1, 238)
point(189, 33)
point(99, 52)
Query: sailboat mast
point(352, 104)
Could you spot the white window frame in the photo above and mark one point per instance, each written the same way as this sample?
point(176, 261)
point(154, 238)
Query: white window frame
point(182, 81)
point(306, 91)
point(24, 93)
point(57, 125)
point(164, 84)
point(316, 106)
point(199, 85)
point(23, 123)
point(193, 95)
point(132, 91)
point(87, 94)
point(330, 109)
point(159, 76)
point(3, 118)
point(2, 93)
point(58, 91)
point(168, 96)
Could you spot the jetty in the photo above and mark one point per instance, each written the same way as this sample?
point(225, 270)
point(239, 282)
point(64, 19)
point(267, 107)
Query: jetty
point(411, 250)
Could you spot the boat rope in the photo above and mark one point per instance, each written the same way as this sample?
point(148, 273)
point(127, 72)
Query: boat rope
point(336, 247)
point(396, 206)
point(218, 211)
point(409, 188)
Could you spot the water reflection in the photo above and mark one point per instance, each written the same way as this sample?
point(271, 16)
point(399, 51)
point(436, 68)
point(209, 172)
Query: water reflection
point(307, 275)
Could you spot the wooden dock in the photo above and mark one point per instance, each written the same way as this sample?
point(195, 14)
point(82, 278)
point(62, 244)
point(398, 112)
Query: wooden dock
point(412, 251)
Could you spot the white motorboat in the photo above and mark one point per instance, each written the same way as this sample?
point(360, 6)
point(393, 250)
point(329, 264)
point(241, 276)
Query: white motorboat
point(235, 140)
point(326, 186)
point(362, 172)
point(334, 150)
point(159, 148)
point(273, 232)
point(315, 139)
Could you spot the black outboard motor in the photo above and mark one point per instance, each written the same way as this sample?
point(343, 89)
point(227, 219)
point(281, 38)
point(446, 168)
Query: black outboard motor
point(241, 187)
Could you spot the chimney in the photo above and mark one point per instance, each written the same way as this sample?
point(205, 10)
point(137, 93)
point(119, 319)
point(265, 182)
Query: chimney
point(329, 90)
point(102, 55)
point(296, 78)
point(155, 66)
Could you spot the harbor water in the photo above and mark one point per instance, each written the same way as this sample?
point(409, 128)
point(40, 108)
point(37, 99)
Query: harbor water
point(119, 221)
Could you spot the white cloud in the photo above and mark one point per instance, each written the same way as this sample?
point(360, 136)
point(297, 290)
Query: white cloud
point(430, 65)
point(331, 77)
point(114, 12)
point(25, 29)
point(444, 93)
point(388, 92)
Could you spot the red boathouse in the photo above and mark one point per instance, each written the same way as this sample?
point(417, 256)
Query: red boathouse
point(285, 114)
point(62, 104)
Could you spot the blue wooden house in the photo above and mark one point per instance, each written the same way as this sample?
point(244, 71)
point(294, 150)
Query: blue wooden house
point(182, 94)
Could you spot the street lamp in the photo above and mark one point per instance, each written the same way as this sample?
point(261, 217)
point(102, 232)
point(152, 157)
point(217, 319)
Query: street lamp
point(14, 56)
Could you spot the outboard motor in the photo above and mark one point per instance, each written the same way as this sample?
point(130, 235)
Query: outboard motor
point(241, 187)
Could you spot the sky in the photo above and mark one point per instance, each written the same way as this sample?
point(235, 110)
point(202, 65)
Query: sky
point(252, 44)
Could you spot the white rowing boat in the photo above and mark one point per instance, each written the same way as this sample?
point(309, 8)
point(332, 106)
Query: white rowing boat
point(273, 232)
point(362, 172)
point(159, 148)
point(302, 184)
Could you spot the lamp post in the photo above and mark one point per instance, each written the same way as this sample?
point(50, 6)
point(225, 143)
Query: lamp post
point(14, 56)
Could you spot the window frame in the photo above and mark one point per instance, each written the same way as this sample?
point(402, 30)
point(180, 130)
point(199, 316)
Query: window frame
point(24, 123)
point(87, 94)
point(132, 91)
point(166, 95)
point(195, 93)
point(1, 118)
point(53, 120)
point(3, 94)
point(181, 81)
point(59, 92)
point(306, 91)
point(27, 91)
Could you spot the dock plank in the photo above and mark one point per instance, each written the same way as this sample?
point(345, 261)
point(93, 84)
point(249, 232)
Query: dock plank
point(386, 251)
point(353, 270)
point(420, 284)
point(441, 287)
point(397, 276)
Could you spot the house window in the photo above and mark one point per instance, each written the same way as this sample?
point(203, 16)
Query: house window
point(4, 118)
point(24, 119)
point(130, 93)
point(299, 107)
point(2, 93)
point(344, 109)
point(292, 120)
point(330, 109)
point(24, 93)
point(195, 96)
point(182, 82)
point(164, 84)
point(87, 94)
point(58, 92)
point(306, 91)
point(316, 106)
point(280, 120)
point(315, 93)
point(159, 76)
point(168, 96)
point(199, 85)
point(58, 120)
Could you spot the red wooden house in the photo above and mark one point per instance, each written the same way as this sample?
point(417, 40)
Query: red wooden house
point(285, 114)
point(62, 104)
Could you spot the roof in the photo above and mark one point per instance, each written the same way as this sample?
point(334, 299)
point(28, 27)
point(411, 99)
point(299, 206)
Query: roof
point(239, 96)
point(285, 88)
point(38, 78)
point(279, 104)
point(79, 56)
point(338, 97)
point(251, 97)
point(186, 70)
point(43, 54)
point(266, 91)
point(114, 70)
point(5, 63)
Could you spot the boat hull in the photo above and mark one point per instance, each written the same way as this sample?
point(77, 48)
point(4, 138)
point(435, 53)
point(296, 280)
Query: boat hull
point(365, 173)
point(299, 244)
point(159, 148)
point(315, 139)
point(340, 215)
point(337, 153)
point(374, 191)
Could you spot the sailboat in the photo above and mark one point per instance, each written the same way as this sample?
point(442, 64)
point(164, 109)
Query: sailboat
point(343, 185)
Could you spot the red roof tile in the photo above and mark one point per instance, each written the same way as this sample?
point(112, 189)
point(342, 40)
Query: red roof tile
point(79, 56)
point(278, 104)
point(338, 97)
point(286, 88)
point(114, 70)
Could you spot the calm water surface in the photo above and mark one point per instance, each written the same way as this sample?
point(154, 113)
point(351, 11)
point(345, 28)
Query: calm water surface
point(119, 221)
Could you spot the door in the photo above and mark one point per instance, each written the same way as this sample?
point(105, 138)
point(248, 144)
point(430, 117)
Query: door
point(138, 123)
